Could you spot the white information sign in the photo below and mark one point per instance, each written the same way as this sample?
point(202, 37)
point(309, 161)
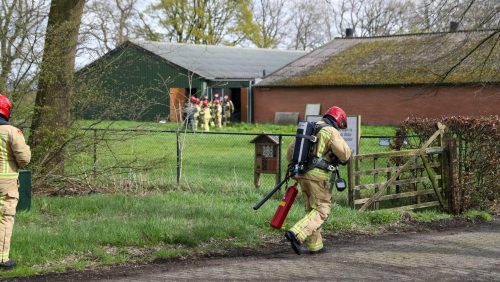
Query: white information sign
point(312, 109)
point(352, 132)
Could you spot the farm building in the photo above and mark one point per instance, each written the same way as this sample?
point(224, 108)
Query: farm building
point(387, 79)
point(152, 80)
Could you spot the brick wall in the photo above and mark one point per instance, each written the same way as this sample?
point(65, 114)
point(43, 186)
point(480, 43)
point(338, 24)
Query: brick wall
point(381, 105)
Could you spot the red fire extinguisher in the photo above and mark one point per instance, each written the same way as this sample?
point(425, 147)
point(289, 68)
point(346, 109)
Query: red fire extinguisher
point(284, 206)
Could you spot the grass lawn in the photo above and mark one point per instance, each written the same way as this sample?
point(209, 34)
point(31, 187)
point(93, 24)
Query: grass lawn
point(152, 217)
point(386, 130)
point(141, 158)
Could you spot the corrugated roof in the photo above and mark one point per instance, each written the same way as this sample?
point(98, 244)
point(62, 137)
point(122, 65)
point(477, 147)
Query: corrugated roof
point(222, 62)
point(459, 57)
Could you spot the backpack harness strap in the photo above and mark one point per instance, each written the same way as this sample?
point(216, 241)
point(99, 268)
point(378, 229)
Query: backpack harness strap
point(317, 162)
point(312, 138)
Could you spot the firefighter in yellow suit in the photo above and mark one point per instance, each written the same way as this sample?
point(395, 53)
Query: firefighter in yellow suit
point(197, 113)
point(315, 185)
point(14, 154)
point(218, 114)
point(228, 109)
point(205, 116)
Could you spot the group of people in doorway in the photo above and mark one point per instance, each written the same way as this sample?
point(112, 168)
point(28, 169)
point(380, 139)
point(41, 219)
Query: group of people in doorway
point(215, 113)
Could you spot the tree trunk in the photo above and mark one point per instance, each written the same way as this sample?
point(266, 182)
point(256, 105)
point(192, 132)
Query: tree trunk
point(55, 86)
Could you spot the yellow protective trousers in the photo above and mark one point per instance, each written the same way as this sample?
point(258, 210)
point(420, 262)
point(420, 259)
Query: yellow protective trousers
point(206, 118)
point(218, 122)
point(318, 202)
point(196, 123)
point(206, 126)
point(9, 196)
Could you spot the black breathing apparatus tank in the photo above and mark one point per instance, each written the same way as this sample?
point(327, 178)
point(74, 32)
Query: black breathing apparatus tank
point(303, 157)
point(304, 144)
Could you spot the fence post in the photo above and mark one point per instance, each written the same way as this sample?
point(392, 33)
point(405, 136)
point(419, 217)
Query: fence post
point(452, 192)
point(179, 158)
point(350, 184)
point(278, 176)
point(94, 168)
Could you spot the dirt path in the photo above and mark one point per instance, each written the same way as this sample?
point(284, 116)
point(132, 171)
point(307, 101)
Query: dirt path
point(453, 254)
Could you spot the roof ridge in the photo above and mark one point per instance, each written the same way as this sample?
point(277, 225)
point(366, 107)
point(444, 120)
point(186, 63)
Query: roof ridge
point(216, 46)
point(418, 34)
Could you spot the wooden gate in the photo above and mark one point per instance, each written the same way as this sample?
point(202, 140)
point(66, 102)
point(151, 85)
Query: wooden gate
point(406, 180)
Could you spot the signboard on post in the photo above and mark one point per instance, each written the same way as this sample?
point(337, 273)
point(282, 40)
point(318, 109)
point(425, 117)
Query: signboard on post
point(312, 109)
point(351, 134)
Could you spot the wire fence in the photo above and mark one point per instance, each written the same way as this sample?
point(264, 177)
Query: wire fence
point(161, 157)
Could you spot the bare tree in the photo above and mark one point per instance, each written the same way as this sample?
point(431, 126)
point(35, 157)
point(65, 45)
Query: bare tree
point(106, 24)
point(305, 32)
point(20, 37)
point(482, 14)
point(345, 14)
point(435, 15)
point(272, 18)
point(383, 17)
point(368, 18)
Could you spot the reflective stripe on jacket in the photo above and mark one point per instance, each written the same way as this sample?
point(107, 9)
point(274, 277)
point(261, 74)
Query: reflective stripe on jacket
point(14, 153)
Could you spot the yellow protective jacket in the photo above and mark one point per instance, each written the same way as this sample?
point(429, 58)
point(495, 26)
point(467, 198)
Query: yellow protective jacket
point(228, 108)
point(197, 112)
point(329, 145)
point(14, 153)
point(217, 111)
point(205, 114)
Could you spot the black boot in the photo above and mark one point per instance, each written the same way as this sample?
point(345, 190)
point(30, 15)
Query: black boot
point(7, 265)
point(290, 236)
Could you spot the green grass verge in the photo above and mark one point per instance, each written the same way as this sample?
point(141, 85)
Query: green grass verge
point(479, 214)
point(61, 233)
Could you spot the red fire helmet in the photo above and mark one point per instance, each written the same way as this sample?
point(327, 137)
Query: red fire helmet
point(338, 115)
point(5, 106)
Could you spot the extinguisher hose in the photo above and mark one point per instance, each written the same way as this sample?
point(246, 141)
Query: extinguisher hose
point(275, 189)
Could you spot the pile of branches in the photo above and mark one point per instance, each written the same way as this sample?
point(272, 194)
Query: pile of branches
point(478, 148)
